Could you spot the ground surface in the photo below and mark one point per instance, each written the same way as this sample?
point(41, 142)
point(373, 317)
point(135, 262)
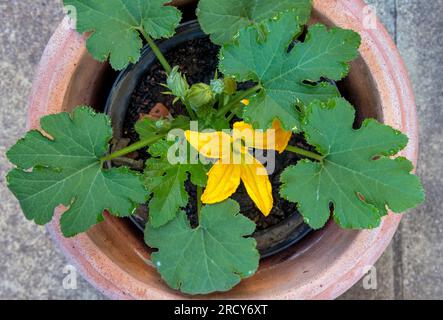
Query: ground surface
point(32, 267)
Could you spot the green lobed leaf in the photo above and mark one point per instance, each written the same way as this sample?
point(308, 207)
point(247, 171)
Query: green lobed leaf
point(283, 74)
point(166, 181)
point(215, 256)
point(223, 19)
point(356, 176)
point(115, 26)
point(66, 169)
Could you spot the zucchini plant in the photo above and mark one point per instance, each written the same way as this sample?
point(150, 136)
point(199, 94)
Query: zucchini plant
point(349, 174)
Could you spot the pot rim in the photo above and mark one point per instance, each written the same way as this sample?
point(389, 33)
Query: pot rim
point(384, 61)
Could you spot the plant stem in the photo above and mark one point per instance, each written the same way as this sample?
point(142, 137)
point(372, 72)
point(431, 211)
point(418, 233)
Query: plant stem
point(199, 202)
point(161, 58)
point(305, 153)
point(189, 109)
point(230, 117)
point(221, 100)
point(238, 99)
point(131, 148)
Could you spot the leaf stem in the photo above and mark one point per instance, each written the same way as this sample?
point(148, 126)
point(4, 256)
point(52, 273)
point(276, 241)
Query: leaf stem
point(199, 202)
point(189, 109)
point(139, 144)
point(230, 117)
point(238, 99)
point(161, 58)
point(221, 100)
point(305, 153)
point(131, 148)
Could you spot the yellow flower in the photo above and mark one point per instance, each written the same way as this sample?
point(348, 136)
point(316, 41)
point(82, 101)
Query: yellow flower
point(278, 141)
point(236, 164)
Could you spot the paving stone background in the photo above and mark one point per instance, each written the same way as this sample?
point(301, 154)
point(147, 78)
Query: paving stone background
point(31, 267)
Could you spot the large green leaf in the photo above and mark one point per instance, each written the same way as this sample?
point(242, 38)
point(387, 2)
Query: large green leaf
point(215, 256)
point(66, 169)
point(356, 176)
point(116, 24)
point(283, 74)
point(223, 19)
point(166, 181)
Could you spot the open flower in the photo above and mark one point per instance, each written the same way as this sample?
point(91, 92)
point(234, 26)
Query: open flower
point(236, 164)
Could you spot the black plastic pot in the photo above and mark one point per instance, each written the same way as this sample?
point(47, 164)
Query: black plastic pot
point(269, 241)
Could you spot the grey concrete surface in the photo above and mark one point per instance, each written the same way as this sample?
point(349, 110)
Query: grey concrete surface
point(31, 267)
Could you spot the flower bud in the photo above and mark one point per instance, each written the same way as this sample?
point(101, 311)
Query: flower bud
point(230, 86)
point(177, 83)
point(199, 95)
point(217, 86)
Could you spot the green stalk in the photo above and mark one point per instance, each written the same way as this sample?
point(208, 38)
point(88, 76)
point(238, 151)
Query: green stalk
point(189, 109)
point(138, 145)
point(131, 148)
point(305, 153)
point(230, 117)
point(199, 203)
point(221, 100)
point(161, 58)
point(237, 100)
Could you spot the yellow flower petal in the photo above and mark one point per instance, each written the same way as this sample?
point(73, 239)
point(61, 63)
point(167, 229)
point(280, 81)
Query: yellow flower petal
point(242, 136)
point(258, 186)
point(263, 140)
point(241, 125)
point(223, 181)
point(224, 177)
point(282, 136)
point(211, 145)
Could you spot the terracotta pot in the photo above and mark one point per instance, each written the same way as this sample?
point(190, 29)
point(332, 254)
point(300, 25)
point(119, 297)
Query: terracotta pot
point(112, 255)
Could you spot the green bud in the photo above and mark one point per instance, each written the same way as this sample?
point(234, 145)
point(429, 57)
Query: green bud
point(217, 86)
point(230, 86)
point(199, 95)
point(160, 124)
point(177, 83)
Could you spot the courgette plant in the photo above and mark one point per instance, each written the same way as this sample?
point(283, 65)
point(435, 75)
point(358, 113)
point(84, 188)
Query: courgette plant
point(352, 174)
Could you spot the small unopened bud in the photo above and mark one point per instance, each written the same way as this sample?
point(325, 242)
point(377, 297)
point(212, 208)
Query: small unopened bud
point(177, 83)
point(217, 86)
point(159, 123)
point(230, 86)
point(199, 95)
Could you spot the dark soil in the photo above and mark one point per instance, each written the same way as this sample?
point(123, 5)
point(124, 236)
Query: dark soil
point(198, 60)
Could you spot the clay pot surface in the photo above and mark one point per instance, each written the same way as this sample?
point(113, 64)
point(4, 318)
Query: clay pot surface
point(112, 255)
